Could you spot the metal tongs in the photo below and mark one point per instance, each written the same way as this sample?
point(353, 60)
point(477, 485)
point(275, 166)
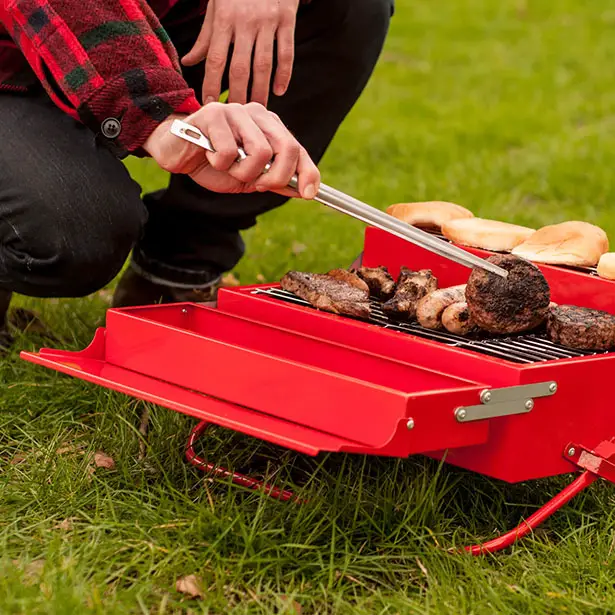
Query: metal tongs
point(361, 211)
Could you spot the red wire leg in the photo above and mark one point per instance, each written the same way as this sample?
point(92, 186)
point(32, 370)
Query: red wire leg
point(238, 479)
point(533, 521)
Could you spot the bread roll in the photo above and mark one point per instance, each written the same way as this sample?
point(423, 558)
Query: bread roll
point(606, 266)
point(486, 234)
point(573, 243)
point(430, 214)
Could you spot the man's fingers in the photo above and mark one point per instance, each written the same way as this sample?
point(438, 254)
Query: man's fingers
point(286, 56)
point(263, 65)
point(216, 64)
point(220, 133)
point(199, 50)
point(286, 150)
point(254, 143)
point(241, 64)
point(309, 176)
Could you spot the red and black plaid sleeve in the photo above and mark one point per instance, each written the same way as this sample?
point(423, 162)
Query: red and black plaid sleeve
point(107, 63)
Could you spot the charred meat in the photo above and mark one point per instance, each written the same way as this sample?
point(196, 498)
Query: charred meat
point(517, 303)
point(380, 281)
point(430, 308)
point(347, 277)
point(582, 328)
point(336, 293)
point(411, 287)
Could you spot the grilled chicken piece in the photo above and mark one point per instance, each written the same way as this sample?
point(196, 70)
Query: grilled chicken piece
point(380, 281)
point(411, 287)
point(456, 319)
point(429, 309)
point(582, 328)
point(512, 305)
point(336, 293)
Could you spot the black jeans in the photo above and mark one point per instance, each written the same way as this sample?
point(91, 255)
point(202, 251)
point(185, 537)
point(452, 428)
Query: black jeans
point(70, 214)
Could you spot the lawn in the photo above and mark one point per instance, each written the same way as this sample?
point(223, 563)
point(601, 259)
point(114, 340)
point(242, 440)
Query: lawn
point(505, 107)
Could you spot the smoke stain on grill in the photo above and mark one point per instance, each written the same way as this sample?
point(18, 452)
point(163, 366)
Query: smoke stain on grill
point(523, 348)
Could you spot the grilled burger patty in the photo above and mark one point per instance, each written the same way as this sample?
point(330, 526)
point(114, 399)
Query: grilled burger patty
point(339, 293)
point(512, 305)
point(380, 281)
point(411, 286)
point(583, 328)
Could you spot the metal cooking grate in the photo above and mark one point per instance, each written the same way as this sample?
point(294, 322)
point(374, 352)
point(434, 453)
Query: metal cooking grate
point(529, 348)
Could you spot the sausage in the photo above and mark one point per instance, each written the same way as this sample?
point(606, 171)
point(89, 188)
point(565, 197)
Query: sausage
point(456, 319)
point(429, 309)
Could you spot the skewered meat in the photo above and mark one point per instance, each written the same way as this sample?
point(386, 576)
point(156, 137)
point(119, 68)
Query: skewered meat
point(518, 303)
point(429, 309)
point(380, 281)
point(411, 286)
point(456, 319)
point(578, 327)
point(336, 293)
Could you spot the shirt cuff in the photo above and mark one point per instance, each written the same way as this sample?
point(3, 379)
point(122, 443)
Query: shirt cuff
point(125, 111)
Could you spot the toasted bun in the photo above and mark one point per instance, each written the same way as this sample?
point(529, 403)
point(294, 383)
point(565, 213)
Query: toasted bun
point(570, 243)
point(486, 234)
point(430, 214)
point(606, 266)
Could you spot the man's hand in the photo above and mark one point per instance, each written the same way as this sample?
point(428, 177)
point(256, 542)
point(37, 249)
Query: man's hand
point(252, 26)
point(262, 135)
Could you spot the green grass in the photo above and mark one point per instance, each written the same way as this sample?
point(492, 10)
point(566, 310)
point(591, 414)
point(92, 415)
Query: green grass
point(506, 107)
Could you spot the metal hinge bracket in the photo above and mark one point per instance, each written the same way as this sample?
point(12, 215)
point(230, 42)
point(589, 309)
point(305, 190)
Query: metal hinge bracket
point(505, 401)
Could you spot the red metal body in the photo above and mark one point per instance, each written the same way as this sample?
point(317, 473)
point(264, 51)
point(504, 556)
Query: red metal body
point(312, 381)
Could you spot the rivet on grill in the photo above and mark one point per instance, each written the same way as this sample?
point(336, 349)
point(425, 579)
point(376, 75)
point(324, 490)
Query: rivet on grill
point(529, 404)
point(571, 451)
point(485, 397)
point(553, 387)
point(410, 423)
point(460, 414)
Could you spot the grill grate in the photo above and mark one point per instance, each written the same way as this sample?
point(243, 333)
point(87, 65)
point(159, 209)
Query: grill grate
point(528, 348)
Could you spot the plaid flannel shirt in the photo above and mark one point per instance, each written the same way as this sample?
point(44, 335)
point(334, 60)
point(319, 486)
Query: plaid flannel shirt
point(110, 65)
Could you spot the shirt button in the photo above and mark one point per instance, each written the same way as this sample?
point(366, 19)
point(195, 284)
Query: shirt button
point(111, 128)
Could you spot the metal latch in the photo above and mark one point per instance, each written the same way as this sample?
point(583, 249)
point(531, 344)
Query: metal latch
point(505, 401)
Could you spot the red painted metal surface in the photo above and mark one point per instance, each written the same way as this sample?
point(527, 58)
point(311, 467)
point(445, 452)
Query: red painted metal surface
point(533, 521)
point(239, 479)
point(312, 381)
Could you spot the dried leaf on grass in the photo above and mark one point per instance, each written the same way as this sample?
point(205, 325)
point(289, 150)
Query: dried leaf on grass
point(17, 459)
point(66, 524)
point(230, 280)
point(102, 460)
point(298, 248)
point(293, 606)
point(32, 570)
point(190, 585)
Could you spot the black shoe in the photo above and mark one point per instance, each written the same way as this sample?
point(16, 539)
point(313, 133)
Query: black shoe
point(134, 290)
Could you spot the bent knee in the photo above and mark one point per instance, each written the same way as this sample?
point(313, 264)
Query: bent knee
point(61, 245)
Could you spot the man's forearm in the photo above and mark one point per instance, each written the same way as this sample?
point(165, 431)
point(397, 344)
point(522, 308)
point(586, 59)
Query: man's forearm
point(108, 64)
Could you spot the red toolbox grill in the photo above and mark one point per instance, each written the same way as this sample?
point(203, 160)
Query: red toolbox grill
point(266, 364)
